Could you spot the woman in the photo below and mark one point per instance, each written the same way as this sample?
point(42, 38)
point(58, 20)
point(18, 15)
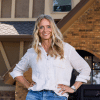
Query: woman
point(52, 61)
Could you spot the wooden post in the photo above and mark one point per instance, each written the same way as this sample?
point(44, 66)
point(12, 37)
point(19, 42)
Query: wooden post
point(30, 8)
point(21, 49)
point(4, 56)
point(0, 8)
point(13, 9)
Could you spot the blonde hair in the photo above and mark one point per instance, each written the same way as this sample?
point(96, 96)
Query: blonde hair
point(56, 48)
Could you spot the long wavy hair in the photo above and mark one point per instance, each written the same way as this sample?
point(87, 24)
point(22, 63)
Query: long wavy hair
point(56, 48)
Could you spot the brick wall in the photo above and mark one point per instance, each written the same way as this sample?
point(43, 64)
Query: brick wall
point(7, 95)
point(84, 33)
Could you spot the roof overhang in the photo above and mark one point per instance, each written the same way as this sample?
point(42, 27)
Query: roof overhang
point(74, 14)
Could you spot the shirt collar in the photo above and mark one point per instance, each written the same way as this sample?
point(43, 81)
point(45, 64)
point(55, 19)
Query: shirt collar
point(45, 53)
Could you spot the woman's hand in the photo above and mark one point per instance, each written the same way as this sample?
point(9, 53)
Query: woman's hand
point(65, 88)
point(32, 84)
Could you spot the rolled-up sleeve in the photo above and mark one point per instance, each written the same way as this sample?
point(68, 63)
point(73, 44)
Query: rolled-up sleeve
point(80, 65)
point(21, 67)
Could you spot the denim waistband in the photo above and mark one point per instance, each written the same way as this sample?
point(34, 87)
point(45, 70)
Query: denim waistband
point(44, 95)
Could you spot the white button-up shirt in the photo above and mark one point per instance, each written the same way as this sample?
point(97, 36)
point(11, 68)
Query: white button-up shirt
point(48, 72)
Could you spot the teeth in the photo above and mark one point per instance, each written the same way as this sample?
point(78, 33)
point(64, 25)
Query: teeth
point(45, 34)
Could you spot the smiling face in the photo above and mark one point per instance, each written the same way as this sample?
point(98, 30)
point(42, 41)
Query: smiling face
point(45, 30)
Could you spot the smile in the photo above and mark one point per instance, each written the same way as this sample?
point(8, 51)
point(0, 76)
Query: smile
point(45, 34)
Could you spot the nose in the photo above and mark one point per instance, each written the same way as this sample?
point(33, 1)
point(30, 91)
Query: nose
point(45, 29)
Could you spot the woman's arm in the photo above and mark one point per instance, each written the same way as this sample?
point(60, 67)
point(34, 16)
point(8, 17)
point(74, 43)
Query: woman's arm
point(77, 84)
point(22, 66)
point(23, 81)
point(81, 66)
point(68, 89)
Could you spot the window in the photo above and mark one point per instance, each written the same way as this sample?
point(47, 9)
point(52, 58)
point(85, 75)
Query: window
point(96, 71)
point(94, 63)
point(61, 5)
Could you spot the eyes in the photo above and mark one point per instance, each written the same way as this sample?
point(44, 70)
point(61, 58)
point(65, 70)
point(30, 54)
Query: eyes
point(49, 26)
point(41, 27)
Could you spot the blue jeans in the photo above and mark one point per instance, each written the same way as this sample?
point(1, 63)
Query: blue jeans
point(44, 95)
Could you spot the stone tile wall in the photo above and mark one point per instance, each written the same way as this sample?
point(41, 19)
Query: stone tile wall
point(16, 28)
